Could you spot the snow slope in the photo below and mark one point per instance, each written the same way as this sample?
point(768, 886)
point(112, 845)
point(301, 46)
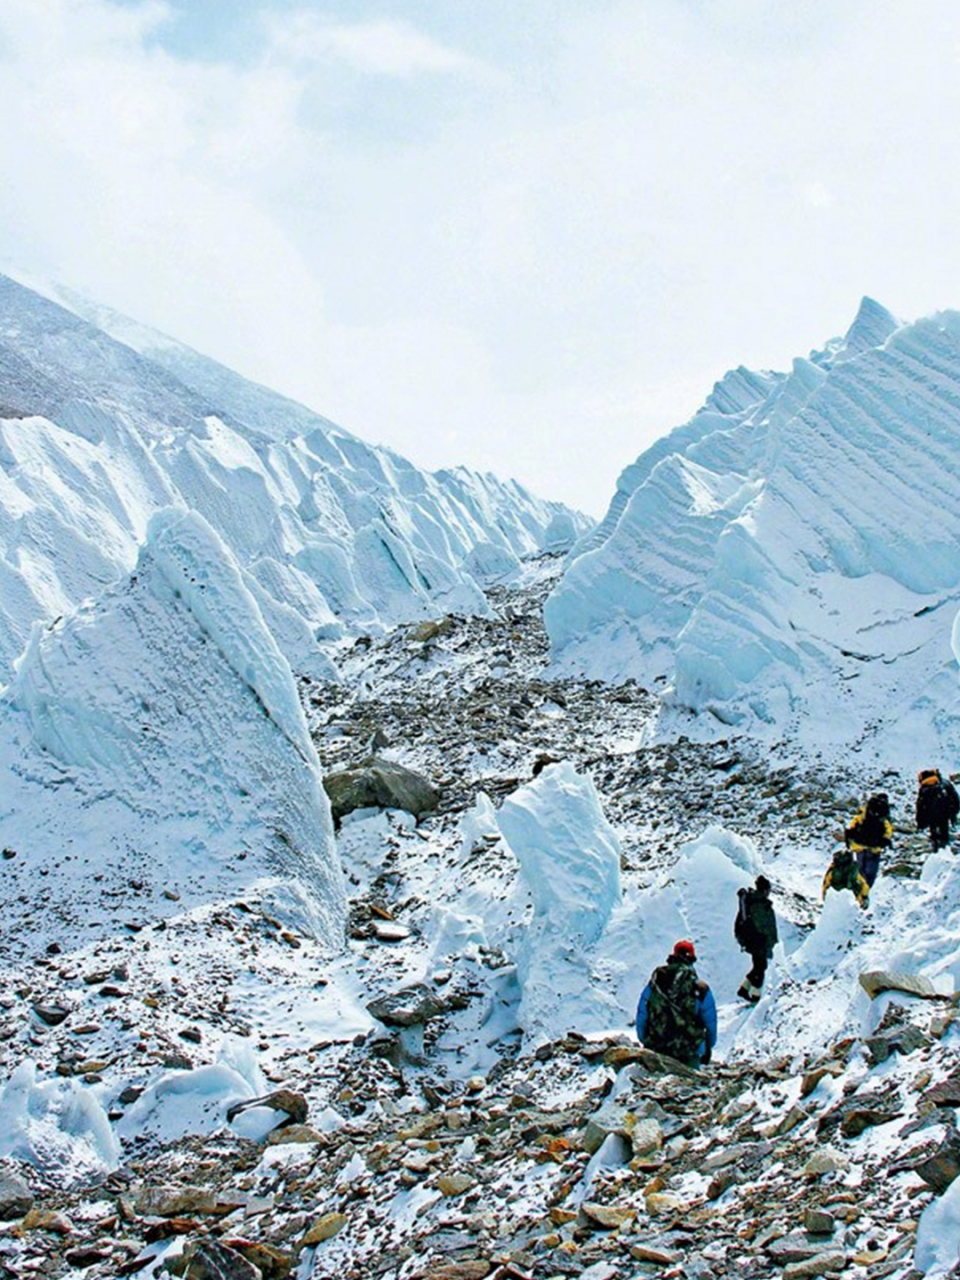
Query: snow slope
point(157, 735)
point(102, 422)
point(789, 560)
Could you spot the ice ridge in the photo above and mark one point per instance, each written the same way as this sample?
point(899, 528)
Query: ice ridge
point(103, 422)
point(786, 563)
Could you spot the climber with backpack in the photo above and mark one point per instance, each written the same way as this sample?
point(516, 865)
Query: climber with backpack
point(870, 832)
point(937, 806)
point(755, 928)
point(677, 1014)
point(843, 873)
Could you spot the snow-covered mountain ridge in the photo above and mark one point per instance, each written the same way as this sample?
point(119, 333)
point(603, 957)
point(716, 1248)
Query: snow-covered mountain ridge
point(103, 422)
point(789, 560)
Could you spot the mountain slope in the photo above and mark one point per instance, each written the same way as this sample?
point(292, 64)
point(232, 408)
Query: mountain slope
point(794, 562)
point(95, 435)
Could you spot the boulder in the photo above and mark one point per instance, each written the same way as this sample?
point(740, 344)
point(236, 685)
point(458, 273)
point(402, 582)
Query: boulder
point(172, 1202)
point(825, 1160)
point(944, 1094)
point(293, 1106)
point(431, 630)
point(818, 1222)
point(940, 1168)
point(798, 1246)
point(609, 1216)
point(835, 1260)
point(324, 1228)
point(273, 1263)
point(904, 1039)
point(410, 1007)
point(455, 1184)
point(610, 1118)
point(51, 1014)
point(210, 1260)
point(875, 981)
point(381, 784)
point(16, 1198)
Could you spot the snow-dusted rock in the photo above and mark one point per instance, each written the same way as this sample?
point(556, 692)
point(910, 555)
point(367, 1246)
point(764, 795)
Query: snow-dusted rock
point(379, 783)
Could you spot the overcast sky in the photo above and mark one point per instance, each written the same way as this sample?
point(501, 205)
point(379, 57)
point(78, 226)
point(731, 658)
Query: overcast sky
point(525, 235)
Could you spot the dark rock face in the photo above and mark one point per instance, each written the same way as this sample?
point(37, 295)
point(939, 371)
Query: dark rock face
point(379, 783)
point(940, 1168)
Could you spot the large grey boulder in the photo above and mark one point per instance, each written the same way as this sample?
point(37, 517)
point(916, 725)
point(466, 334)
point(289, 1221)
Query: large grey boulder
point(410, 1007)
point(408, 1010)
point(382, 784)
point(16, 1198)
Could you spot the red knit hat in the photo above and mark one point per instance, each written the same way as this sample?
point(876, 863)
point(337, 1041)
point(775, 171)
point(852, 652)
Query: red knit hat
point(685, 949)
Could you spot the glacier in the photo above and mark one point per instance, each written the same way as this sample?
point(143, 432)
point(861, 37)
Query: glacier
point(156, 734)
point(103, 422)
point(788, 562)
point(569, 873)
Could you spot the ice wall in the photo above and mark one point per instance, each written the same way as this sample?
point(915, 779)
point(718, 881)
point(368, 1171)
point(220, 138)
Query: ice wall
point(102, 422)
point(569, 859)
point(156, 735)
point(794, 562)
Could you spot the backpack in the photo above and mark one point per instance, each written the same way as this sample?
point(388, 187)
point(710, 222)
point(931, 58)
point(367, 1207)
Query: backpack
point(674, 1026)
point(844, 871)
point(743, 926)
point(870, 829)
point(944, 799)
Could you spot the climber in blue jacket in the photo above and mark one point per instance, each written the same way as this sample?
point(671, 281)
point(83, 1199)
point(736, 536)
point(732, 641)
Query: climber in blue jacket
point(677, 1014)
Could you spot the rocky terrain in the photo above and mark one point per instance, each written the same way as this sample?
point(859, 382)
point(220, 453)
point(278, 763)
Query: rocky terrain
point(250, 1106)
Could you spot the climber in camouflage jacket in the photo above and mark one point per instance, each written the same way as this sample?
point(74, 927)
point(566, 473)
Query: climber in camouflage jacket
point(677, 1014)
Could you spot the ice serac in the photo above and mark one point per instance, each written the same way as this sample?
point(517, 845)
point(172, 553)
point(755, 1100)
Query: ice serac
point(795, 561)
point(569, 859)
point(103, 421)
point(156, 735)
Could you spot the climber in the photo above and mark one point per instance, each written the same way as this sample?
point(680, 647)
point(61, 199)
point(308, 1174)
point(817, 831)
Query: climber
point(937, 806)
point(677, 1014)
point(869, 834)
point(755, 928)
point(843, 873)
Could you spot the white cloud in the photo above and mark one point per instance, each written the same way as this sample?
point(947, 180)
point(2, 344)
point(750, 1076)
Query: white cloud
point(384, 48)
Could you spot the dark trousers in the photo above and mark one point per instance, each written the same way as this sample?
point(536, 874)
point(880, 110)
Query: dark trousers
point(940, 833)
point(868, 864)
point(759, 971)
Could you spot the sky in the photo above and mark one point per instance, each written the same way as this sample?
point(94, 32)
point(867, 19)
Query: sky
point(523, 237)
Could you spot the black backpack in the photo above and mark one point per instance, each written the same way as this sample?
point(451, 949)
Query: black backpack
point(871, 829)
point(743, 926)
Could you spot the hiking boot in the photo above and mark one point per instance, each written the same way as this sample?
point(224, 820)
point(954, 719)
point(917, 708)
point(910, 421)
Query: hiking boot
point(749, 992)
